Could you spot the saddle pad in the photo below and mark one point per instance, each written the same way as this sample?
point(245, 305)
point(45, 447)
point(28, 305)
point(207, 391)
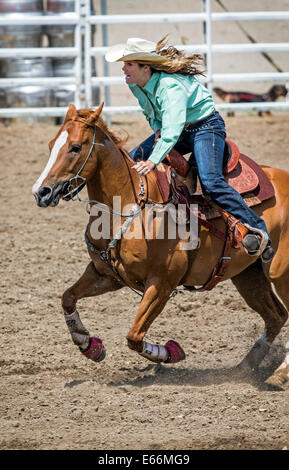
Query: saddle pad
point(247, 178)
point(243, 178)
point(237, 173)
point(265, 189)
point(261, 193)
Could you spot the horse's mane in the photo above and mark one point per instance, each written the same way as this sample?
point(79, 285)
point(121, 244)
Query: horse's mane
point(85, 113)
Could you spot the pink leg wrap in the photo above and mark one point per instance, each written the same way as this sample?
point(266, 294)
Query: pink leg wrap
point(176, 353)
point(95, 350)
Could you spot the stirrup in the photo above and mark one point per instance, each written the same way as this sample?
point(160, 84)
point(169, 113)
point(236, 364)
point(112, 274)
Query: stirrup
point(267, 254)
point(255, 242)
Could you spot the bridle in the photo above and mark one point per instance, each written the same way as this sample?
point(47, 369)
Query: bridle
point(73, 187)
point(129, 218)
point(141, 199)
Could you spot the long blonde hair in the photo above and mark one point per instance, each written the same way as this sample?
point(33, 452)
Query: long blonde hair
point(176, 61)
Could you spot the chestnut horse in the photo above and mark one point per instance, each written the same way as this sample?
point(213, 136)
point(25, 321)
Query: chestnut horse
point(85, 152)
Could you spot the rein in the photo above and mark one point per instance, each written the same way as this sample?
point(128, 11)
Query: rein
point(74, 195)
point(74, 191)
point(141, 199)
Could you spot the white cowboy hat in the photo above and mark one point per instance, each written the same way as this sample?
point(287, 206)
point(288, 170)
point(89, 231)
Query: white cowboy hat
point(134, 49)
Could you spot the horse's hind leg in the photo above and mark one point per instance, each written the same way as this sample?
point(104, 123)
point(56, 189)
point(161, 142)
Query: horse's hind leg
point(281, 375)
point(91, 283)
point(257, 291)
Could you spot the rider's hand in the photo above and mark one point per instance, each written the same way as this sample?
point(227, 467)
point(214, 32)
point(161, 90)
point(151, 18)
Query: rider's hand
point(144, 167)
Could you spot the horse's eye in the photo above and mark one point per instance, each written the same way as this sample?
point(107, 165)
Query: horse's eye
point(75, 148)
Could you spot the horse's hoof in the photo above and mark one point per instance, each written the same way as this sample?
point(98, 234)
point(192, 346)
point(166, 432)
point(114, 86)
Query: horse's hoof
point(95, 350)
point(277, 380)
point(176, 353)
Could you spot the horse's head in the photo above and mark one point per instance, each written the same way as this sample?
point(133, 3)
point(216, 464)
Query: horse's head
point(70, 163)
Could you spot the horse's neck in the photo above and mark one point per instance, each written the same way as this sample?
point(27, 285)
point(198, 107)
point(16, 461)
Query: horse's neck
point(113, 178)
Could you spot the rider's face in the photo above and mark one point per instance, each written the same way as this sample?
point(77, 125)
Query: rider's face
point(136, 74)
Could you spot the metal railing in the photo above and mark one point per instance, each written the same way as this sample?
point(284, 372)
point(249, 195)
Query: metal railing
point(84, 21)
point(75, 19)
point(207, 48)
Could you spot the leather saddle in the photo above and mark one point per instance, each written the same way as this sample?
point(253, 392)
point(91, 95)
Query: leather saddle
point(178, 182)
point(175, 174)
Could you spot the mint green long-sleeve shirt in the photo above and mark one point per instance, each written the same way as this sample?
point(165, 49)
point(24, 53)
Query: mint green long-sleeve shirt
point(169, 101)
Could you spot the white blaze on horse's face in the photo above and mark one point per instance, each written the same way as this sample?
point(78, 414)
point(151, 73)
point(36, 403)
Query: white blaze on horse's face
point(58, 144)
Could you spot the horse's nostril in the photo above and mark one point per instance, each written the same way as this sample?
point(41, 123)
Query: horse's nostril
point(43, 196)
point(44, 192)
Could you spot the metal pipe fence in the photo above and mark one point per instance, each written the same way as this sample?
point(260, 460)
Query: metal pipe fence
point(83, 22)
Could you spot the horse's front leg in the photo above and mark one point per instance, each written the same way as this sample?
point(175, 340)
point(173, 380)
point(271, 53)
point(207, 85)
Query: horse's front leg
point(91, 283)
point(153, 302)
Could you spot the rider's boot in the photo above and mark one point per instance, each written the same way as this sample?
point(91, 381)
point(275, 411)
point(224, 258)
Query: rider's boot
point(257, 243)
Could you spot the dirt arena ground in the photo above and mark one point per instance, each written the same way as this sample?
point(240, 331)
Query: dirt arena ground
point(54, 398)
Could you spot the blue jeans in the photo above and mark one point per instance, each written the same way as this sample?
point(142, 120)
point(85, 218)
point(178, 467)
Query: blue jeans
point(205, 140)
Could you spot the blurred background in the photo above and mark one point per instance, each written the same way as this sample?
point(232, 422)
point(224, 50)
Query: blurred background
point(58, 58)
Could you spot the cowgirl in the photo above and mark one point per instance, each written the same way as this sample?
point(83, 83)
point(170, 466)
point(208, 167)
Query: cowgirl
point(181, 112)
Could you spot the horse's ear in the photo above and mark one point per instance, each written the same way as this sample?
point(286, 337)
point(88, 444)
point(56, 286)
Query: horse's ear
point(71, 112)
point(95, 115)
